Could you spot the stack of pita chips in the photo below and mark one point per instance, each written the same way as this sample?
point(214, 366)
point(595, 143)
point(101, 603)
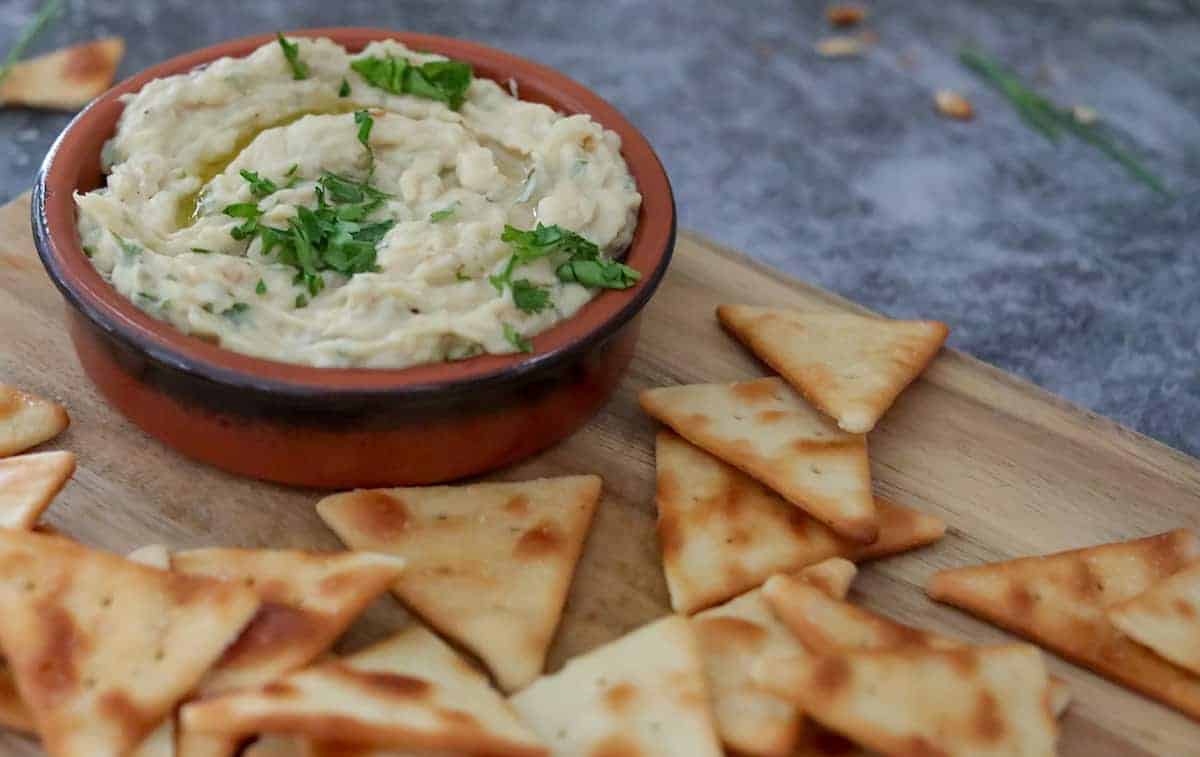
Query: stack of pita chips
point(890, 688)
point(1127, 610)
point(802, 441)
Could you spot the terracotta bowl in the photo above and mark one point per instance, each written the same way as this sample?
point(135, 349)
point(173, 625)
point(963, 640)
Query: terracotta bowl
point(326, 427)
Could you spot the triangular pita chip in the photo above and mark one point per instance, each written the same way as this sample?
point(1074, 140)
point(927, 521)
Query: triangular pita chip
point(643, 694)
point(722, 532)
point(27, 420)
point(767, 430)
point(489, 565)
point(308, 600)
point(851, 367)
point(732, 636)
point(1166, 618)
point(980, 701)
point(1059, 601)
point(101, 647)
point(28, 483)
point(827, 624)
point(65, 79)
point(411, 690)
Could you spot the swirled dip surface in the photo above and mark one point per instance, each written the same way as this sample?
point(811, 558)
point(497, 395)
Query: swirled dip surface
point(453, 180)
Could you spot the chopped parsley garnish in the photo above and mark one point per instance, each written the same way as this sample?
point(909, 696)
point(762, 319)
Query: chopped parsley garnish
point(291, 51)
point(260, 288)
point(461, 275)
point(207, 307)
point(365, 122)
point(443, 80)
point(444, 213)
point(529, 296)
point(291, 176)
point(344, 90)
point(235, 311)
point(301, 301)
point(89, 250)
point(259, 186)
point(515, 339)
point(130, 249)
point(201, 250)
point(578, 260)
point(334, 236)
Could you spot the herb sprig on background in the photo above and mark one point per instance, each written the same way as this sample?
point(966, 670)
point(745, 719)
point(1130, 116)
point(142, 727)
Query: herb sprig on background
point(49, 11)
point(1052, 121)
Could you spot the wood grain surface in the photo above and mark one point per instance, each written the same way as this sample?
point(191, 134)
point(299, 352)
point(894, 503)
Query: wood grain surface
point(1013, 470)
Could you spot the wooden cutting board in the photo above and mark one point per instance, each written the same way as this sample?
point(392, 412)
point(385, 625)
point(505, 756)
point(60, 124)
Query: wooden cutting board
point(1012, 470)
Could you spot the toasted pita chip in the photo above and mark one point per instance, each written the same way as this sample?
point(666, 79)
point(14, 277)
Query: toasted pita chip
point(65, 79)
point(102, 648)
point(1166, 618)
point(722, 532)
point(411, 690)
point(161, 741)
point(489, 565)
point(732, 636)
point(13, 712)
point(851, 367)
point(827, 624)
point(27, 420)
point(1059, 601)
point(309, 599)
point(643, 694)
point(295, 746)
point(767, 430)
point(28, 483)
point(979, 701)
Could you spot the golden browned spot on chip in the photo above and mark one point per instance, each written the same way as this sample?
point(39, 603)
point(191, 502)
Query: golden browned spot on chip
point(1021, 600)
point(86, 61)
point(280, 689)
point(755, 391)
point(394, 685)
point(771, 416)
point(988, 721)
point(920, 747)
point(518, 505)
point(831, 675)
point(740, 630)
point(668, 487)
point(274, 625)
point(54, 673)
point(616, 746)
point(539, 541)
point(379, 513)
point(1172, 551)
point(184, 589)
point(670, 538)
point(10, 402)
point(119, 708)
point(964, 660)
point(336, 584)
point(1184, 608)
point(1084, 583)
point(458, 717)
point(618, 698)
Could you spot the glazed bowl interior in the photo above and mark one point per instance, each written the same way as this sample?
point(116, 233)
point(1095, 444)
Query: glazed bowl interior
point(73, 164)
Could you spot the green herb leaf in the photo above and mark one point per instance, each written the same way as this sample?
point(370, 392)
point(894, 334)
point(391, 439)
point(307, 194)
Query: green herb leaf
point(235, 311)
point(131, 249)
point(529, 296)
point(201, 250)
point(207, 307)
point(365, 122)
point(301, 301)
point(260, 288)
point(344, 90)
point(89, 250)
point(36, 26)
point(515, 339)
point(259, 186)
point(459, 274)
point(1050, 120)
point(291, 51)
point(444, 213)
point(598, 274)
point(443, 80)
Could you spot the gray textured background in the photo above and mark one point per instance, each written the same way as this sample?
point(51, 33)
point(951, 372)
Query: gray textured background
point(1046, 261)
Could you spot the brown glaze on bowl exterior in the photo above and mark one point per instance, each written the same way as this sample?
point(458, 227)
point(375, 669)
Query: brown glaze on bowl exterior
point(340, 428)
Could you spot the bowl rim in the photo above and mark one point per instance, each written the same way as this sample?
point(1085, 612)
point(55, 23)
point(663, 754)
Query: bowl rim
point(57, 240)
